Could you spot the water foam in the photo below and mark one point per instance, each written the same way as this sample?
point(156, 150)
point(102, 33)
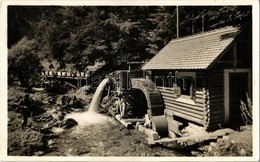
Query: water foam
point(87, 117)
point(91, 116)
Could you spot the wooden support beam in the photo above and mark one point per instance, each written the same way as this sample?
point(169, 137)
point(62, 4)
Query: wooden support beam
point(149, 132)
point(128, 125)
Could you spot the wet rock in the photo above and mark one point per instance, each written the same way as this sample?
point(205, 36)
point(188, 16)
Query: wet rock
point(39, 153)
point(69, 123)
point(213, 144)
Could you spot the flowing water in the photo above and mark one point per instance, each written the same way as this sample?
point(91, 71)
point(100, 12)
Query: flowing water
point(91, 116)
point(97, 96)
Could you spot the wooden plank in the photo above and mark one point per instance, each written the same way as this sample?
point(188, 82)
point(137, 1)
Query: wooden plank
point(128, 125)
point(134, 120)
point(149, 132)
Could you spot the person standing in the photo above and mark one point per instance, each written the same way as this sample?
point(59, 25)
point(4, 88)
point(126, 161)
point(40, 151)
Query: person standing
point(25, 110)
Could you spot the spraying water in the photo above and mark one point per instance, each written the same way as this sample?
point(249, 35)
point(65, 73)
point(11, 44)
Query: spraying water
point(91, 116)
point(97, 96)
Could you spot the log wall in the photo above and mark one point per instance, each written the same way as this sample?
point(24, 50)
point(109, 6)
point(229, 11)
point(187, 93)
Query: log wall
point(216, 93)
point(208, 107)
point(196, 112)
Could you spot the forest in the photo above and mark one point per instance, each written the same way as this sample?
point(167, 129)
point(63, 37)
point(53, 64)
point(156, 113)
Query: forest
point(74, 38)
point(82, 35)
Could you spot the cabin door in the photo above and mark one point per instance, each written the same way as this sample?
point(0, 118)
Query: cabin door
point(238, 86)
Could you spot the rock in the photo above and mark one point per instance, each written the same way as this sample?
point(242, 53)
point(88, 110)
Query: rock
point(225, 138)
point(195, 153)
point(69, 123)
point(50, 142)
point(210, 148)
point(233, 141)
point(213, 144)
point(242, 152)
point(10, 149)
point(39, 153)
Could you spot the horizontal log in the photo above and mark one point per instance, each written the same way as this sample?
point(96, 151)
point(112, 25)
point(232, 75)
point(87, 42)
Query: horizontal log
point(187, 117)
point(134, 120)
point(216, 88)
point(173, 107)
point(216, 121)
point(215, 93)
point(217, 109)
point(213, 77)
point(168, 95)
point(201, 101)
point(217, 97)
point(214, 100)
point(213, 86)
point(202, 97)
point(215, 116)
point(165, 88)
point(216, 73)
point(195, 107)
point(185, 111)
point(200, 93)
point(203, 106)
point(166, 91)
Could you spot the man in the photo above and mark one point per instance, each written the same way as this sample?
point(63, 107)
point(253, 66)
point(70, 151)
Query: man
point(25, 110)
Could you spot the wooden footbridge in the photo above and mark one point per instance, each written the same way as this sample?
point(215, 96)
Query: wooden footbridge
point(78, 79)
point(66, 74)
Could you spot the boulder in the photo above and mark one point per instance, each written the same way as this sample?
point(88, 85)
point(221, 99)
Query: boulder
point(69, 123)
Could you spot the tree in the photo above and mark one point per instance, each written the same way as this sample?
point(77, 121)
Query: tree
point(24, 62)
point(164, 22)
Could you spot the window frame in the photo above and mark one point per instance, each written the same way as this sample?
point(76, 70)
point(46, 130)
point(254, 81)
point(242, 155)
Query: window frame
point(192, 96)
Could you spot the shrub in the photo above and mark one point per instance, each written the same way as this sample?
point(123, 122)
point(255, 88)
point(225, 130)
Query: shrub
point(24, 62)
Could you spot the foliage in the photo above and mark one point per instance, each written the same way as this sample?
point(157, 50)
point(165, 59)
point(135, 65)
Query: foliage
point(24, 62)
point(164, 21)
point(82, 35)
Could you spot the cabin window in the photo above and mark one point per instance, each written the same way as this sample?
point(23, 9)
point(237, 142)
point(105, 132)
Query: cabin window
point(186, 85)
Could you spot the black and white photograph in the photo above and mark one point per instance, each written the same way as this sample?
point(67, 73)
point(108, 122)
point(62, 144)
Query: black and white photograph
point(122, 81)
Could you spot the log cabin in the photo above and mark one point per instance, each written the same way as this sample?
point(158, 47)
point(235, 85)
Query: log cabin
point(203, 77)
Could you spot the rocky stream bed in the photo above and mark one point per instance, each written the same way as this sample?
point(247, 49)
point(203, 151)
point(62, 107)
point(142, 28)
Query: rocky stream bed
point(61, 127)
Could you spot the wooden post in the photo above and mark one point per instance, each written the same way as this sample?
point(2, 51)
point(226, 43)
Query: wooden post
point(202, 22)
point(177, 21)
point(235, 56)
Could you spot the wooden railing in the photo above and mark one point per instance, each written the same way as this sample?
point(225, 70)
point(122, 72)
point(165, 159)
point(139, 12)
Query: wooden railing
point(66, 74)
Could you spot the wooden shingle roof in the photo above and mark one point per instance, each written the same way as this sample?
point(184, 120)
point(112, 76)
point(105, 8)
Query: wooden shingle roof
point(193, 52)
